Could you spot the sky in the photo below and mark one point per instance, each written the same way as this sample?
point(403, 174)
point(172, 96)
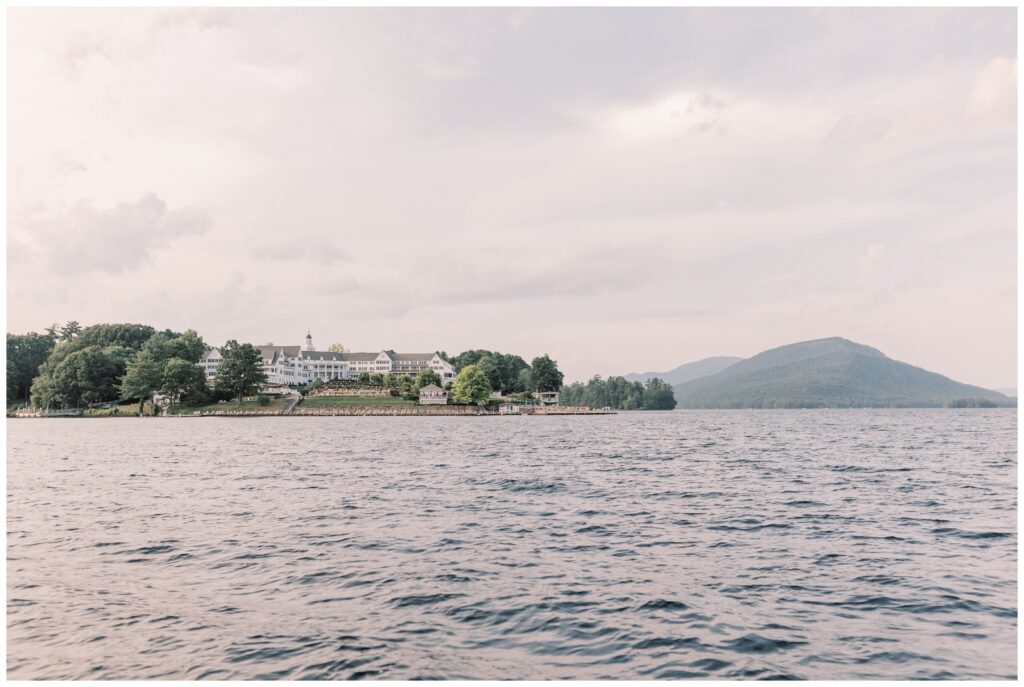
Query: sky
point(625, 190)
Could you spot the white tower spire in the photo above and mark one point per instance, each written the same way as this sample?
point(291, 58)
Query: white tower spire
point(309, 341)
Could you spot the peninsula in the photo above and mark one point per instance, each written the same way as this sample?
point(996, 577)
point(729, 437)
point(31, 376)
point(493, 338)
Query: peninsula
point(132, 369)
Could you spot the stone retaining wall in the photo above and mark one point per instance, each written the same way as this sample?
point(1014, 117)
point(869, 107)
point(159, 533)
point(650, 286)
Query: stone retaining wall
point(394, 410)
point(349, 392)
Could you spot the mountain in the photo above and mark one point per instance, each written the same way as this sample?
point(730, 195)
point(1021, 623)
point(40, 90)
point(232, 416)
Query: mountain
point(688, 371)
point(1007, 391)
point(826, 373)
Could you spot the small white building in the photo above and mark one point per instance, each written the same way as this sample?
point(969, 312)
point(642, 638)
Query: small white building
point(433, 395)
point(547, 398)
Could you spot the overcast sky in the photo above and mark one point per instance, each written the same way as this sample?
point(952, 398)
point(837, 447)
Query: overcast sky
point(626, 190)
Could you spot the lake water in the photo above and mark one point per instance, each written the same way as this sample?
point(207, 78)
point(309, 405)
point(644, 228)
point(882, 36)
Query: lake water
point(705, 544)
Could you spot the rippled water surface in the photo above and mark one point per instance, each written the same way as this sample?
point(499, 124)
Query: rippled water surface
point(811, 544)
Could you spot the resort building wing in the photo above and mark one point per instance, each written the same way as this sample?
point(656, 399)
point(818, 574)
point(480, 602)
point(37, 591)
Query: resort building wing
point(286, 365)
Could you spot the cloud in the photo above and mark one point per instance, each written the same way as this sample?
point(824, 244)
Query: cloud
point(81, 47)
point(65, 165)
point(994, 94)
point(429, 174)
point(860, 129)
point(583, 274)
point(301, 248)
point(669, 117)
point(202, 18)
point(114, 240)
point(870, 265)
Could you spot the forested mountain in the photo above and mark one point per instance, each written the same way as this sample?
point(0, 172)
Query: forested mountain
point(834, 373)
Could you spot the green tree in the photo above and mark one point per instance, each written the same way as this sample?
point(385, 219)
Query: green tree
point(545, 374)
point(524, 381)
point(143, 377)
point(471, 386)
point(658, 395)
point(70, 331)
point(182, 379)
point(502, 370)
point(511, 367)
point(87, 375)
point(100, 371)
point(26, 353)
point(424, 378)
point(240, 371)
point(59, 385)
point(131, 336)
point(376, 379)
point(189, 346)
point(467, 358)
point(491, 366)
point(337, 348)
point(595, 394)
point(364, 377)
point(617, 392)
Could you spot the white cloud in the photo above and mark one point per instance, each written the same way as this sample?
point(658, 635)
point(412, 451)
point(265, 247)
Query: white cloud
point(114, 240)
point(421, 178)
point(194, 17)
point(994, 95)
point(867, 264)
point(298, 248)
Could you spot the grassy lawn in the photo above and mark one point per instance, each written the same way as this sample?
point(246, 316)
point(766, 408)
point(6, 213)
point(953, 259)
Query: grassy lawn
point(353, 401)
point(274, 405)
point(129, 409)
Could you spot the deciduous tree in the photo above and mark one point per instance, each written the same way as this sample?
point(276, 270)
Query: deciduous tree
point(181, 379)
point(240, 371)
point(471, 386)
point(25, 355)
point(426, 377)
point(143, 377)
point(545, 374)
point(70, 331)
point(189, 346)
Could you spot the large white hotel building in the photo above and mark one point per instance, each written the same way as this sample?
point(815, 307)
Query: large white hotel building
point(302, 364)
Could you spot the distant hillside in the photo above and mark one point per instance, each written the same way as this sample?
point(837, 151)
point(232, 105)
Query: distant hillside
point(688, 371)
point(1007, 391)
point(830, 373)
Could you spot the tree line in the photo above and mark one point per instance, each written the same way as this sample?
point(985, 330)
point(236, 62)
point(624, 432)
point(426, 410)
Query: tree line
point(508, 373)
point(482, 372)
point(72, 366)
point(620, 394)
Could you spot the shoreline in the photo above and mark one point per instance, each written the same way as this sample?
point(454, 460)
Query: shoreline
point(354, 411)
